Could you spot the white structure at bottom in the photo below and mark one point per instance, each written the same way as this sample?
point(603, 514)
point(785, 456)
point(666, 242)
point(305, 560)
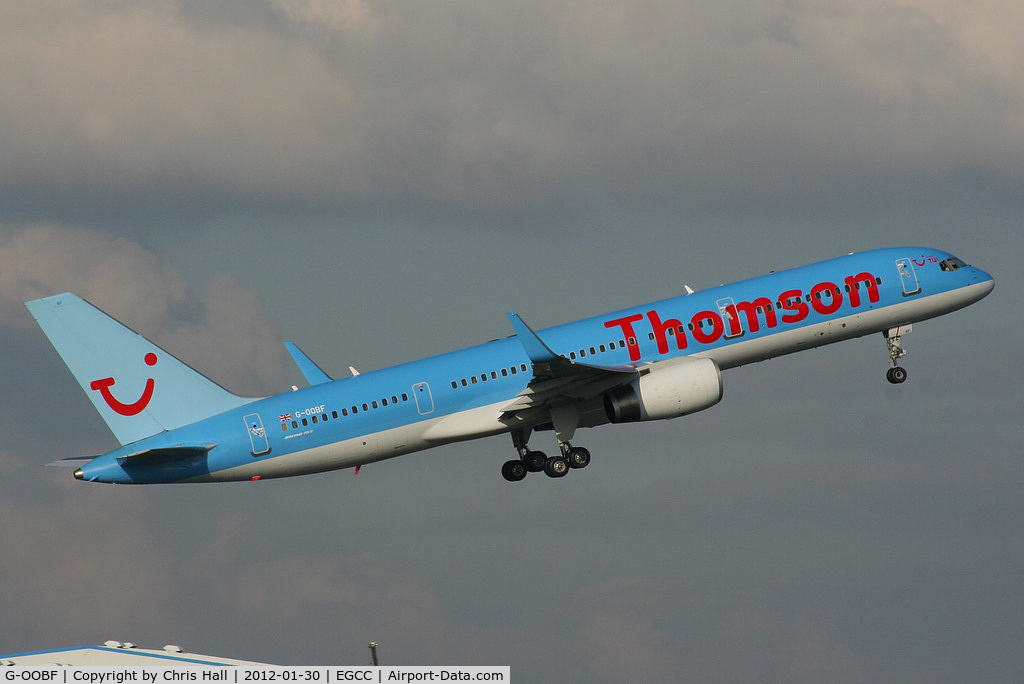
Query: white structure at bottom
point(119, 654)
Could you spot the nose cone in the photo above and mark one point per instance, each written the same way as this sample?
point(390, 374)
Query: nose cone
point(979, 285)
point(79, 475)
point(983, 282)
point(986, 281)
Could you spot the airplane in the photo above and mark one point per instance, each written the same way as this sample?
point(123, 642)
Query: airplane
point(656, 361)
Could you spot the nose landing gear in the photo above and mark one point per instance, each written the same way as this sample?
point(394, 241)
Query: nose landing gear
point(896, 374)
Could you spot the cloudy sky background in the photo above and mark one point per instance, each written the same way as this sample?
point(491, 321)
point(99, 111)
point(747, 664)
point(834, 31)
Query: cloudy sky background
point(381, 181)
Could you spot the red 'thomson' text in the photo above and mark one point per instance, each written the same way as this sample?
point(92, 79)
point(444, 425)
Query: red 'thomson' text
point(709, 326)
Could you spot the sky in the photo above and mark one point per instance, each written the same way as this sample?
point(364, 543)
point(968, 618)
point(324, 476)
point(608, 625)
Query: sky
point(382, 181)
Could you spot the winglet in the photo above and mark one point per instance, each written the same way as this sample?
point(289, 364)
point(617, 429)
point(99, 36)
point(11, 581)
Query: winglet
point(534, 346)
point(313, 373)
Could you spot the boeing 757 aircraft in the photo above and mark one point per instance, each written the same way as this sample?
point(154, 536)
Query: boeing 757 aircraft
point(651, 362)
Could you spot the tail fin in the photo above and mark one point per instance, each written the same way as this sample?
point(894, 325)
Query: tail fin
point(137, 387)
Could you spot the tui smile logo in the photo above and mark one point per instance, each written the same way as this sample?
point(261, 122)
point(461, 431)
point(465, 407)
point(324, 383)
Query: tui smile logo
point(103, 387)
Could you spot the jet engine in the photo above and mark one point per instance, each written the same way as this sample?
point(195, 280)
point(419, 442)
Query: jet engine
point(677, 389)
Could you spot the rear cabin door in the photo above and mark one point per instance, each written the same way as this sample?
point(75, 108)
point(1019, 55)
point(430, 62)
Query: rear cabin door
point(257, 434)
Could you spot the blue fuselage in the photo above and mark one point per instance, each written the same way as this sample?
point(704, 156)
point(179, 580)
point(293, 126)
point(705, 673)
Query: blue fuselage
point(461, 395)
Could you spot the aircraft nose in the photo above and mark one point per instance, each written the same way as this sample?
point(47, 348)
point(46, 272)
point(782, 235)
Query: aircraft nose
point(79, 475)
point(986, 281)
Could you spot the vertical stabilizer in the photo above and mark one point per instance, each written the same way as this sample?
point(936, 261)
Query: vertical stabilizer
point(138, 388)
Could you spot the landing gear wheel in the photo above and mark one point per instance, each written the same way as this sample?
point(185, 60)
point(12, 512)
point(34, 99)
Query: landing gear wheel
point(578, 457)
point(535, 461)
point(896, 375)
point(513, 471)
point(556, 467)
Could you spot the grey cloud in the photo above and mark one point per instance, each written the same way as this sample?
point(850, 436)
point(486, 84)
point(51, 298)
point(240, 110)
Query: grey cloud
point(490, 107)
point(207, 171)
point(223, 331)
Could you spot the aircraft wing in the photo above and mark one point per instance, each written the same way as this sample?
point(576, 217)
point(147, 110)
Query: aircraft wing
point(313, 373)
point(557, 381)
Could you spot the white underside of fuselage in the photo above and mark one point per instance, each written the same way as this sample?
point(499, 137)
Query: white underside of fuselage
point(487, 420)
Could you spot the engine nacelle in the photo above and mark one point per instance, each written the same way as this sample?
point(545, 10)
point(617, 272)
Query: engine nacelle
point(676, 390)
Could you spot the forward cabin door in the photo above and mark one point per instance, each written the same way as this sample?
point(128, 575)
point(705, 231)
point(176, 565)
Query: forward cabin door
point(908, 277)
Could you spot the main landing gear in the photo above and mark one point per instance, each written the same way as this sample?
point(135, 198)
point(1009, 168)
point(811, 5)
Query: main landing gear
point(536, 461)
point(896, 374)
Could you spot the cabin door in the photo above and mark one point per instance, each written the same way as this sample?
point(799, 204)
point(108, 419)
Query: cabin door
point(424, 400)
point(731, 317)
point(257, 434)
point(908, 277)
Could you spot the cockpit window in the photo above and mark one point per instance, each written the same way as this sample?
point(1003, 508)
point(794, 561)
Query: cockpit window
point(951, 264)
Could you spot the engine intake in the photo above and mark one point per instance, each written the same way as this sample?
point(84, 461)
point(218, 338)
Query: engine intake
point(675, 390)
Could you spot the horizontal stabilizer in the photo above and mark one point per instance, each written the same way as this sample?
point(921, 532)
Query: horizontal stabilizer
point(313, 373)
point(70, 462)
point(166, 455)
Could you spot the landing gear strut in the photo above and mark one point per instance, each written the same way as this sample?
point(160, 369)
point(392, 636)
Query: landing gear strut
point(536, 461)
point(896, 374)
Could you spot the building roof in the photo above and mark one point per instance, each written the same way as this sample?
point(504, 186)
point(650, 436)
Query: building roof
point(119, 654)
